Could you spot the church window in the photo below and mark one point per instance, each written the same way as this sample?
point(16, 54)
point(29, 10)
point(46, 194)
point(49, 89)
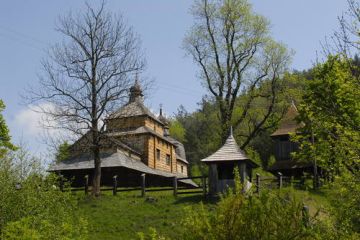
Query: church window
point(158, 154)
point(168, 159)
point(182, 169)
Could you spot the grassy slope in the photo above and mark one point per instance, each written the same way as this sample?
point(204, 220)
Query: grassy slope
point(122, 216)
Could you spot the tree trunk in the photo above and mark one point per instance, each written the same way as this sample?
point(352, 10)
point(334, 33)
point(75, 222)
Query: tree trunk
point(97, 172)
point(225, 125)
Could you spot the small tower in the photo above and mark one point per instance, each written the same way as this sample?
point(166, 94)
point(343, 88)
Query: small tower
point(163, 119)
point(222, 164)
point(135, 91)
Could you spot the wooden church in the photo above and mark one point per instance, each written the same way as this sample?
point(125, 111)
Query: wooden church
point(284, 147)
point(135, 142)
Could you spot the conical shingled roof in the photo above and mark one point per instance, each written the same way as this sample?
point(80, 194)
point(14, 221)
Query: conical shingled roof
point(230, 151)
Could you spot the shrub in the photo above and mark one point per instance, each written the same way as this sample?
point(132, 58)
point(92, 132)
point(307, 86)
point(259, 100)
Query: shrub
point(33, 207)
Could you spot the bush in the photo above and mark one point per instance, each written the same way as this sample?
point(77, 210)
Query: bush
point(276, 214)
point(270, 216)
point(33, 207)
point(345, 201)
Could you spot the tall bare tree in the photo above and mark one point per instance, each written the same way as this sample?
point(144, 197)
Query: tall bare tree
point(87, 75)
point(236, 55)
point(346, 40)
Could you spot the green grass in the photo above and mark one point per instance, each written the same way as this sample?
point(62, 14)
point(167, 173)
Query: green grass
point(124, 215)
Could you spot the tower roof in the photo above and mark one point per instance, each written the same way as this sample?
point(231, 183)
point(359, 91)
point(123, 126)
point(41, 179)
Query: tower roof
point(288, 123)
point(135, 91)
point(135, 106)
point(230, 151)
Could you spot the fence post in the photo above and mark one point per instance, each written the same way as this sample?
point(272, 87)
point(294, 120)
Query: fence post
point(258, 183)
point(204, 185)
point(86, 185)
point(143, 185)
point(280, 180)
point(175, 186)
point(114, 185)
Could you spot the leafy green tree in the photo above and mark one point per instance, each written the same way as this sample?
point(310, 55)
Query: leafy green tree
point(5, 139)
point(235, 53)
point(331, 113)
point(177, 130)
point(62, 152)
point(202, 130)
point(32, 206)
point(345, 201)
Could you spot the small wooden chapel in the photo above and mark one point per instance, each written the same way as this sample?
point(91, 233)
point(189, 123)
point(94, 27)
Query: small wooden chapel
point(222, 164)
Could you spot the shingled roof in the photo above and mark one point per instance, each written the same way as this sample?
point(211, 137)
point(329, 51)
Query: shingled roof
point(134, 109)
point(288, 124)
point(179, 149)
point(116, 159)
point(230, 151)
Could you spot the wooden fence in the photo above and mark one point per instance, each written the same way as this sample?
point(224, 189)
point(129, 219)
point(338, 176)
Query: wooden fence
point(277, 182)
point(143, 189)
point(265, 182)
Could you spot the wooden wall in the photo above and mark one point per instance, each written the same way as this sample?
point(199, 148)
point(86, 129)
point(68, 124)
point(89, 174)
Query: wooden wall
point(182, 164)
point(153, 125)
point(155, 143)
point(147, 144)
point(125, 123)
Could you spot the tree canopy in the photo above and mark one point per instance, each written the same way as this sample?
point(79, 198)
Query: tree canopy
point(88, 75)
point(236, 55)
point(331, 112)
point(5, 138)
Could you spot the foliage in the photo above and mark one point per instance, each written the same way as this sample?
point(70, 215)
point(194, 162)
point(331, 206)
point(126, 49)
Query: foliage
point(345, 202)
point(202, 132)
point(203, 129)
point(255, 156)
point(62, 152)
point(35, 228)
point(5, 139)
point(331, 112)
point(235, 53)
point(32, 207)
point(272, 215)
point(153, 235)
point(177, 131)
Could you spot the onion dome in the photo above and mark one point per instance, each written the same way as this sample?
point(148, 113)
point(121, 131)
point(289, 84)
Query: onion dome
point(135, 91)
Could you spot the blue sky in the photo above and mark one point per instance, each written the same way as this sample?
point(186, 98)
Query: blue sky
point(27, 29)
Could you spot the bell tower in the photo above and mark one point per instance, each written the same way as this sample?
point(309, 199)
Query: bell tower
point(136, 91)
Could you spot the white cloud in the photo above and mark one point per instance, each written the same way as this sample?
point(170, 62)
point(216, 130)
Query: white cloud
point(31, 121)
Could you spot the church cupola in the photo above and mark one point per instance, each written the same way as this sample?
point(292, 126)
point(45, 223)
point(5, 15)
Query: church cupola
point(135, 91)
point(165, 122)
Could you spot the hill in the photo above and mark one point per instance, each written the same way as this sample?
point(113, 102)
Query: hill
point(124, 215)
